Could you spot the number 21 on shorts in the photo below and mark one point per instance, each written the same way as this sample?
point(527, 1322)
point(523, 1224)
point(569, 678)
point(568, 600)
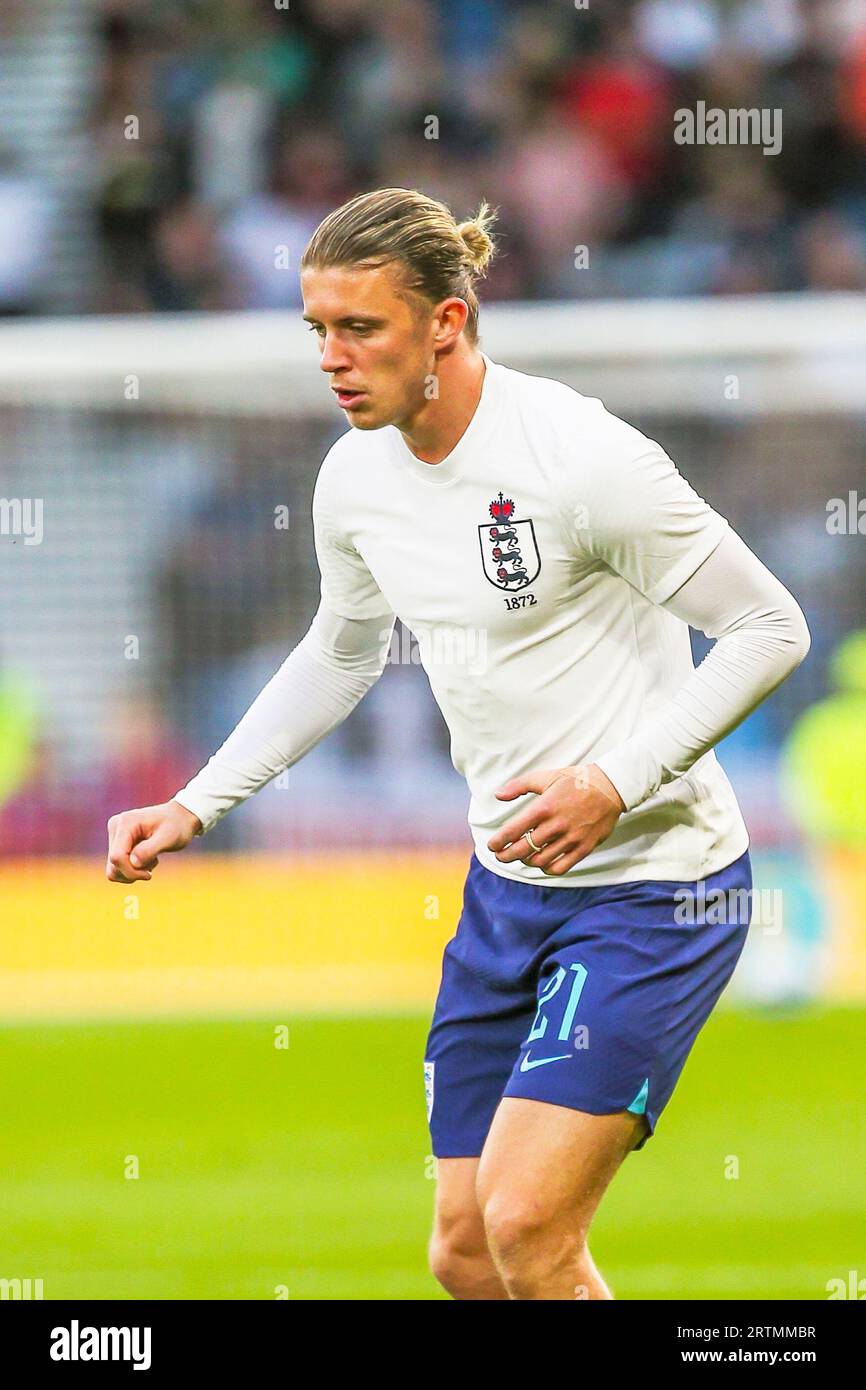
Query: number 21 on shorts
point(553, 986)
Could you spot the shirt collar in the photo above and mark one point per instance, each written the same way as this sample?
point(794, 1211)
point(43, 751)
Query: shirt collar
point(486, 413)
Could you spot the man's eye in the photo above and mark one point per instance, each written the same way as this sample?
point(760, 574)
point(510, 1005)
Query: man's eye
point(314, 328)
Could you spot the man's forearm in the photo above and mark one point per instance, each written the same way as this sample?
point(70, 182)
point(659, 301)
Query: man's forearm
point(317, 686)
point(762, 636)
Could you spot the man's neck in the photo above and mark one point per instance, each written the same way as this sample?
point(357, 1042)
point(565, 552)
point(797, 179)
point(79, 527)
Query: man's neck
point(440, 424)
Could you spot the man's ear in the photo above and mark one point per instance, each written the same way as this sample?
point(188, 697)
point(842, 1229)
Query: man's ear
point(451, 316)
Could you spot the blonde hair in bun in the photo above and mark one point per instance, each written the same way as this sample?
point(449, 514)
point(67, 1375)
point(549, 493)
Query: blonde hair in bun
point(479, 243)
point(437, 256)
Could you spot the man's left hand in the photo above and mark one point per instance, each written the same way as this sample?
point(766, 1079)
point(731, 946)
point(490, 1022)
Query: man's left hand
point(574, 810)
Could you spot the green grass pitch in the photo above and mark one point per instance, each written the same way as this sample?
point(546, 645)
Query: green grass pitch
point(308, 1167)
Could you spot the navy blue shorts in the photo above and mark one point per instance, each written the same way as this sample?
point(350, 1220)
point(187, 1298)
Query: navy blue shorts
point(589, 998)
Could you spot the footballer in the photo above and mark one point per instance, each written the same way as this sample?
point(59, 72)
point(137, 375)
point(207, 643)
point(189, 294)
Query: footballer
point(469, 498)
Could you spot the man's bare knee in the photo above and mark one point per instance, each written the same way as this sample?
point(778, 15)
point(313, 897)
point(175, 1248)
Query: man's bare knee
point(460, 1260)
point(532, 1251)
point(529, 1244)
point(459, 1257)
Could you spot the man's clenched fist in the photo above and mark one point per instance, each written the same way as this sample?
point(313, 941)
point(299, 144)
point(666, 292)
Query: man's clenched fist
point(137, 838)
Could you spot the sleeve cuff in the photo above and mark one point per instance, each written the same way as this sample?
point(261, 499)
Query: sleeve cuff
point(192, 803)
point(633, 772)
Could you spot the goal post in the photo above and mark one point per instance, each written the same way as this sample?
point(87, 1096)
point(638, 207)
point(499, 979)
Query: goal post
point(789, 353)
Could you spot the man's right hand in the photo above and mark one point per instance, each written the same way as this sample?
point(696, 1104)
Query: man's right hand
point(137, 838)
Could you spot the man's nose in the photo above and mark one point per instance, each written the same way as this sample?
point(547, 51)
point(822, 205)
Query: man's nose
point(333, 355)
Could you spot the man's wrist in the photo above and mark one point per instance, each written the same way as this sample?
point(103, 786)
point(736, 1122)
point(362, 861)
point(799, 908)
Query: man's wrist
point(198, 828)
point(600, 780)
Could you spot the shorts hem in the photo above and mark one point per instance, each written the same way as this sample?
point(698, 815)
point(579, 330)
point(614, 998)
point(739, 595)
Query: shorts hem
point(459, 1150)
point(650, 1116)
point(474, 1148)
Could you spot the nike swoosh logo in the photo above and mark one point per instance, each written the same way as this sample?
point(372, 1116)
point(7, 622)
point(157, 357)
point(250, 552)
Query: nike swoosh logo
point(526, 1065)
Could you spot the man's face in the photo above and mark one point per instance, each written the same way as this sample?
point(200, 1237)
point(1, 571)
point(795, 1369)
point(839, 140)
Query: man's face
point(376, 347)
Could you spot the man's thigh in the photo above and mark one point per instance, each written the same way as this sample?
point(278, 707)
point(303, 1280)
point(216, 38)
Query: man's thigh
point(532, 1140)
point(550, 1163)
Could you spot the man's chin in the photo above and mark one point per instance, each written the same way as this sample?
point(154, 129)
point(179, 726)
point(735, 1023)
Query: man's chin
point(364, 420)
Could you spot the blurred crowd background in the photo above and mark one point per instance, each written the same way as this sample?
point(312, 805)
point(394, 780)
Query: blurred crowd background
point(154, 152)
point(155, 156)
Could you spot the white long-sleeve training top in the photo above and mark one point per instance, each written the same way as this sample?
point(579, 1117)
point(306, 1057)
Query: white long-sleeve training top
point(549, 568)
